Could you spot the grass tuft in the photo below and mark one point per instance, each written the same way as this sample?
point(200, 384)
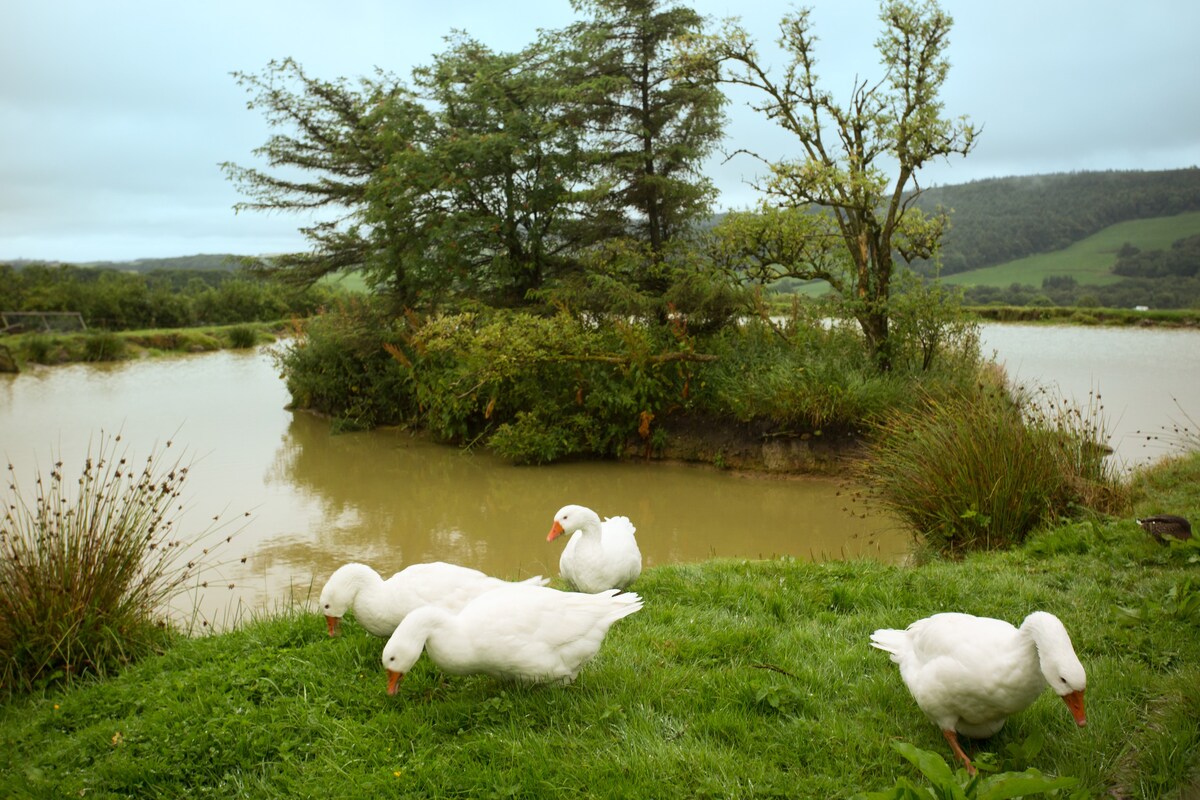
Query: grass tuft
point(87, 565)
point(982, 469)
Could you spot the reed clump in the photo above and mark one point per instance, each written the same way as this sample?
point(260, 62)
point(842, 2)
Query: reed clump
point(87, 566)
point(983, 468)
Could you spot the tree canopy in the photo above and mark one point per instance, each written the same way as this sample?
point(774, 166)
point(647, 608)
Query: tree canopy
point(489, 175)
point(859, 159)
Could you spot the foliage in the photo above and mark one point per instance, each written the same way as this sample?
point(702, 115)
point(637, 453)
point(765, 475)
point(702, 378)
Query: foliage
point(329, 138)
point(928, 323)
point(615, 279)
point(87, 565)
point(103, 346)
point(242, 336)
point(983, 469)
point(61, 348)
point(865, 215)
point(948, 783)
point(654, 117)
point(341, 366)
point(538, 389)
point(541, 389)
point(1182, 259)
point(1181, 601)
point(122, 300)
point(494, 172)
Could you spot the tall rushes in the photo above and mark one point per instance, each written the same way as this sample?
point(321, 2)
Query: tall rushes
point(981, 469)
point(86, 568)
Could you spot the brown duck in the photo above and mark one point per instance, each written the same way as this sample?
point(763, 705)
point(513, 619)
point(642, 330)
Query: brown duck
point(1166, 526)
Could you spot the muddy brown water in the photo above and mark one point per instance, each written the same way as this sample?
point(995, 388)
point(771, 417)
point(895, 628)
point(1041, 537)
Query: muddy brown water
point(317, 500)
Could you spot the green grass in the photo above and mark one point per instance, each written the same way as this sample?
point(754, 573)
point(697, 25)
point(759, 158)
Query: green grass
point(64, 348)
point(346, 281)
point(737, 679)
point(1089, 261)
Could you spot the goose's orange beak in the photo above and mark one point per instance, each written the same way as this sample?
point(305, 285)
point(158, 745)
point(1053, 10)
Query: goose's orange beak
point(555, 532)
point(394, 679)
point(1074, 701)
point(332, 623)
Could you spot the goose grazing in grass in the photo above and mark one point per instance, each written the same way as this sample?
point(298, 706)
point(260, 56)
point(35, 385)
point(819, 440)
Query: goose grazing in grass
point(969, 674)
point(599, 555)
point(529, 634)
point(379, 605)
point(1166, 526)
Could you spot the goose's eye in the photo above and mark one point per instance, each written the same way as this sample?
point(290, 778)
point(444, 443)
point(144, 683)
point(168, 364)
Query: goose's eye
point(327, 606)
point(391, 659)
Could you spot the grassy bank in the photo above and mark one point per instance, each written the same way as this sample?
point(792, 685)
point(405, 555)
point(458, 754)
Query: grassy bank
point(50, 348)
point(738, 679)
point(1066, 315)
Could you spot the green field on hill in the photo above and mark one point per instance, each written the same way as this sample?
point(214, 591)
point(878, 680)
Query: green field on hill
point(1089, 261)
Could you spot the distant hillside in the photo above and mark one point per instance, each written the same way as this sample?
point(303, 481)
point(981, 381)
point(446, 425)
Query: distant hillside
point(217, 261)
point(1000, 220)
point(210, 262)
point(1093, 261)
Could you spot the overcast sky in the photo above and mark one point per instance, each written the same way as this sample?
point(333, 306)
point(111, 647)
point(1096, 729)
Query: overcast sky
point(115, 115)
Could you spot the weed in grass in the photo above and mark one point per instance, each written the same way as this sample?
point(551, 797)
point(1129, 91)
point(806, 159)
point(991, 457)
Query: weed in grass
point(103, 346)
point(1181, 602)
point(242, 336)
point(87, 567)
point(947, 783)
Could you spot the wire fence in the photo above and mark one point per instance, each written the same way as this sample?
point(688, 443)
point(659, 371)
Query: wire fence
point(45, 321)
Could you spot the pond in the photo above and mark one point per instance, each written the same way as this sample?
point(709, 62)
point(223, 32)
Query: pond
point(317, 500)
point(388, 499)
point(1144, 381)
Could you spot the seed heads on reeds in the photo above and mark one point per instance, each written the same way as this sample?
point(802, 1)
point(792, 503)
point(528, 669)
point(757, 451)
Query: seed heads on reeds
point(87, 567)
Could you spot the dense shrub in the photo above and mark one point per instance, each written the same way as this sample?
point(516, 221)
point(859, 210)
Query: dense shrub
point(982, 469)
point(242, 336)
point(114, 299)
point(344, 365)
point(537, 389)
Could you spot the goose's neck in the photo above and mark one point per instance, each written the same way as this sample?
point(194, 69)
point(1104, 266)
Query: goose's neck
point(363, 579)
point(447, 643)
point(590, 526)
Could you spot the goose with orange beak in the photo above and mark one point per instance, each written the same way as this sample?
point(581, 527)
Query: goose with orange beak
point(969, 674)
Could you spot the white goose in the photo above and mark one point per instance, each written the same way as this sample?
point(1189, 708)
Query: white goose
point(379, 605)
point(530, 634)
point(599, 555)
point(968, 674)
